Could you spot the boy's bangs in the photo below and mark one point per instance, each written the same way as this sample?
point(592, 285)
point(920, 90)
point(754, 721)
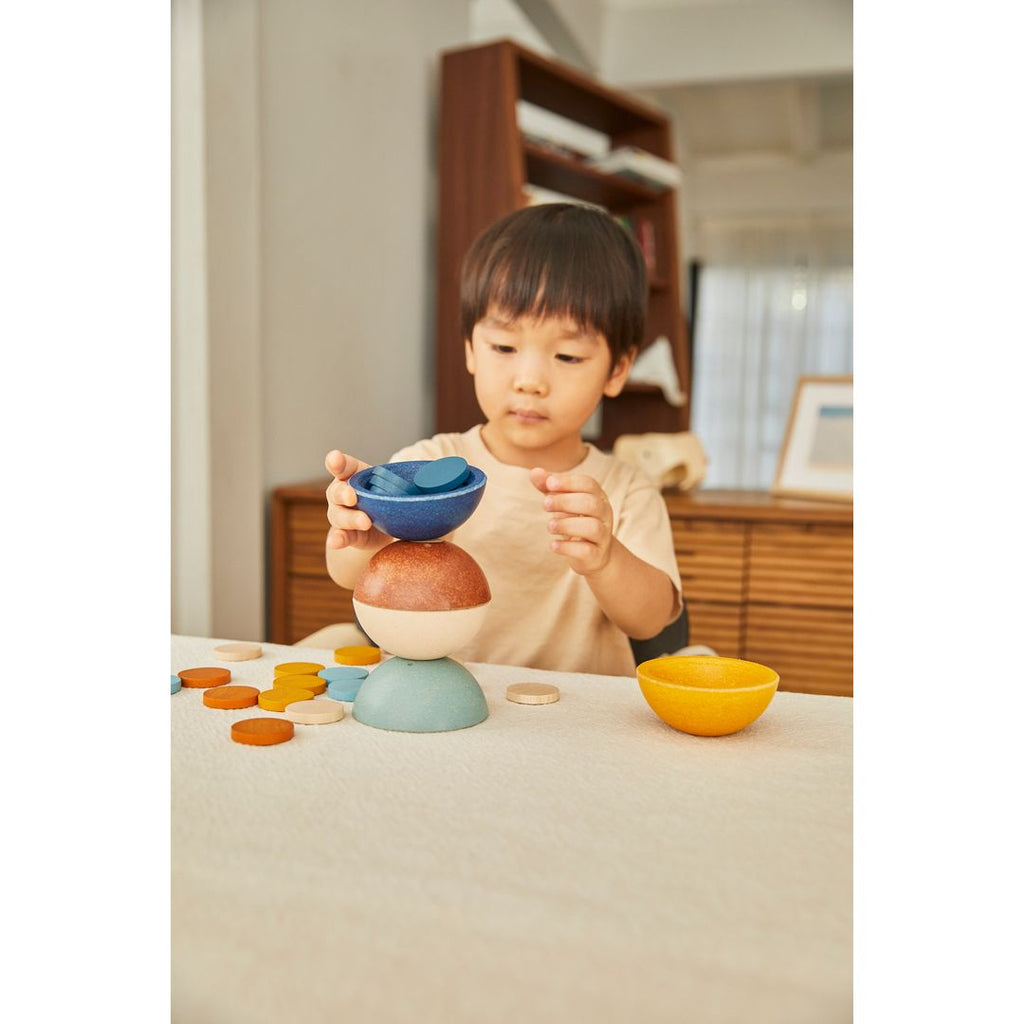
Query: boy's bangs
point(540, 292)
point(558, 261)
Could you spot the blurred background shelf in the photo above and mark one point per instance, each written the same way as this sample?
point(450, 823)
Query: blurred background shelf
point(485, 166)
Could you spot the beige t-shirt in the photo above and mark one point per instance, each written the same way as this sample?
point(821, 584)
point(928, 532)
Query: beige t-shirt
point(542, 614)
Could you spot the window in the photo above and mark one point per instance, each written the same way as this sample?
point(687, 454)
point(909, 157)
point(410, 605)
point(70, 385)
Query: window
point(773, 303)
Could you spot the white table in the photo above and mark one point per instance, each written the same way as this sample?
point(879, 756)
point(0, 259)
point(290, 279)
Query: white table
point(579, 861)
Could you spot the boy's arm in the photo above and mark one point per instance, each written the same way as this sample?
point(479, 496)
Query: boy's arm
point(637, 596)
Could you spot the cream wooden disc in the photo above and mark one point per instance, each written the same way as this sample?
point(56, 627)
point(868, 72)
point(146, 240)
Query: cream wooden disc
point(315, 712)
point(238, 652)
point(532, 693)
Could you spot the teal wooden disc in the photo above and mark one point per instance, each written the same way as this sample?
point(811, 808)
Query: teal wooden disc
point(442, 475)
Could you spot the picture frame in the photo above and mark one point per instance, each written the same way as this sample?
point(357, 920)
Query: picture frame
point(816, 458)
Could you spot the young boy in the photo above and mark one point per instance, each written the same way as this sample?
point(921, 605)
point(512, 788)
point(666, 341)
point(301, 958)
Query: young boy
point(576, 544)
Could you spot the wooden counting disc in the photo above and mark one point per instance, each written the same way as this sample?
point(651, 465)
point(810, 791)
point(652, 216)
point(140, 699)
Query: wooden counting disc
point(297, 668)
point(238, 652)
point(314, 712)
point(262, 732)
point(278, 698)
point(230, 697)
point(202, 677)
point(357, 655)
point(532, 693)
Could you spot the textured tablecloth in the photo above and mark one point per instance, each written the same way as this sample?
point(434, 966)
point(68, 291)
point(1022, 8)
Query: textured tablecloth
point(579, 861)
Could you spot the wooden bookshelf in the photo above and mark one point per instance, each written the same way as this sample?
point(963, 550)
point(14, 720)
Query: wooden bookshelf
point(485, 163)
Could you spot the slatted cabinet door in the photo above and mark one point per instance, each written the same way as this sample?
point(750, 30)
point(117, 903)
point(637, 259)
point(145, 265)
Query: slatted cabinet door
point(710, 556)
point(303, 598)
point(800, 604)
point(771, 580)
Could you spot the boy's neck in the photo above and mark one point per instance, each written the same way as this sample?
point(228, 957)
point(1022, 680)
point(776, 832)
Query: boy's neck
point(558, 458)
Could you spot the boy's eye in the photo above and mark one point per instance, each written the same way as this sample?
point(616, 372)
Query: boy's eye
point(503, 349)
point(569, 359)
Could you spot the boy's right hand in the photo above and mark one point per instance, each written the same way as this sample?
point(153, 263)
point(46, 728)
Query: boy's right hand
point(349, 526)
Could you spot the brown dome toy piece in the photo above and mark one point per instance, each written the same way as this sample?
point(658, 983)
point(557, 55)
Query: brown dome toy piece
point(421, 599)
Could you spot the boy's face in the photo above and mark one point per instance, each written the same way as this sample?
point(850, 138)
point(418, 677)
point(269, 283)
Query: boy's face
point(538, 382)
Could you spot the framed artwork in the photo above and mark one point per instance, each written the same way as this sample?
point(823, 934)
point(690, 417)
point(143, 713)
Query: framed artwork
point(816, 460)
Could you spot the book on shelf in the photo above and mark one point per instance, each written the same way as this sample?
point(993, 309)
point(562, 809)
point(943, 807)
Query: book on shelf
point(560, 134)
point(638, 165)
point(642, 230)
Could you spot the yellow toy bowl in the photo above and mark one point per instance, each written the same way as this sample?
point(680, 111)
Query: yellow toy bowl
point(707, 696)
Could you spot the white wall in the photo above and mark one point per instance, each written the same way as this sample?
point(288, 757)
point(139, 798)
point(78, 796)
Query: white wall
point(307, 295)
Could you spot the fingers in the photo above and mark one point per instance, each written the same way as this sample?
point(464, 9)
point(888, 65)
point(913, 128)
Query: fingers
point(581, 527)
point(342, 466)
point(341, 493)
point(579, 504)
point(349, 525)
point(577, 551)
point(337, 539)
point(565, 482)
point(342, 518)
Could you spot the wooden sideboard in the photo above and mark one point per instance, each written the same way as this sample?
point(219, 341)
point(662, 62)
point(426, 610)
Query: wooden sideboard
point(767, 579)
point(770, 580)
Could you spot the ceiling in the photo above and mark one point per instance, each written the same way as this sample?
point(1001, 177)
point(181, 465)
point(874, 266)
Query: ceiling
point(741, 78)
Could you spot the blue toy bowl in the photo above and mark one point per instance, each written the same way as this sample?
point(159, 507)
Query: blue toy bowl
point(418, 516)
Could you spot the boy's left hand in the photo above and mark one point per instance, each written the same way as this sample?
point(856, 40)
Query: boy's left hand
point(581, 521)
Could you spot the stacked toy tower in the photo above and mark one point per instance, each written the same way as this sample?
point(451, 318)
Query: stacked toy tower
point(420, 598)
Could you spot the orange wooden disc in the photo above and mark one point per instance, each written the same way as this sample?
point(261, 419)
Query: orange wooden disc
point(357, 655)
point(204, 676)
point(230, 697)
point(278, 698)
point(262, 732)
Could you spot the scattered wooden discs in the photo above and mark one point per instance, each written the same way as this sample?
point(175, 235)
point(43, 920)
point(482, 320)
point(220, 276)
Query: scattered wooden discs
point(262, 732)
point(230, 697)
point(361, 655)
point(532, 693)
point(201, 677)
point(278, 698)
point(297, 668)
point(314, 712)
point(238, 652)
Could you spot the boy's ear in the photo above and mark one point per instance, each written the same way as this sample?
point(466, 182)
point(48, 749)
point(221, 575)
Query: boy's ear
point(470, 358)
point(620, 373)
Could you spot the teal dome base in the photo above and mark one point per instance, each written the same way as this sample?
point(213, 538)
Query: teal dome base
point(420, 696)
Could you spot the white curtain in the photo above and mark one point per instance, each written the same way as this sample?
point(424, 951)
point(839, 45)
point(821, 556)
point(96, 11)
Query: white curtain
point(774, 302)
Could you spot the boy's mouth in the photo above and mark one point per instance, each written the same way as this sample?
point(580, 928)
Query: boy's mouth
point(527, 416)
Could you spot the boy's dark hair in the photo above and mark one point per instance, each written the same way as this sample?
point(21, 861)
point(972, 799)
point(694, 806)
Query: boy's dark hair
point(559, 259)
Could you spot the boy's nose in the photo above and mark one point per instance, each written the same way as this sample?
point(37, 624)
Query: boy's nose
point(529, 380)
point(530, 384)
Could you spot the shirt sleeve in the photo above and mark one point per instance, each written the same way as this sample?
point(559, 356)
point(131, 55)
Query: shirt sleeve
point(644, 528)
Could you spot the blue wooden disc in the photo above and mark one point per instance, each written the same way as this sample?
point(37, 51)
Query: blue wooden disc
point(385, 482)
point(378, 485)
point(175, 684)
point(442, 475)
point(335, 672)
point(343, 689)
